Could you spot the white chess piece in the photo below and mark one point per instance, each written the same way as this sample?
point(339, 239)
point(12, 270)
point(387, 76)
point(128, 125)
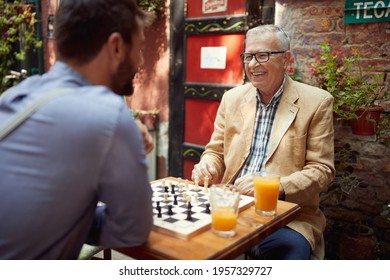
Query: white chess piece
point(206, 184)
point(196, 198)
point(196, 181)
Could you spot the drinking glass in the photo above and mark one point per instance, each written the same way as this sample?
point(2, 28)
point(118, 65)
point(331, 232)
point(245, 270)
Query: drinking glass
point(266, 189)
point(224, 209)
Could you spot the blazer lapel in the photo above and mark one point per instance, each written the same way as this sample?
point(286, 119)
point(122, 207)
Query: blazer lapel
point(285, 115)
point(248, 112)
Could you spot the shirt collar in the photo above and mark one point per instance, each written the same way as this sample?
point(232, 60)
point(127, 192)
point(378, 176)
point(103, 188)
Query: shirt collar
point(276, 96)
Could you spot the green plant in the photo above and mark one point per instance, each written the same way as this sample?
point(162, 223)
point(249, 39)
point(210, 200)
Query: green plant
point(386, 211)
point(293, 72)
point(154, 6)
point(17, 36)
point(352, 86)
point(383, 129)
point(345, 160)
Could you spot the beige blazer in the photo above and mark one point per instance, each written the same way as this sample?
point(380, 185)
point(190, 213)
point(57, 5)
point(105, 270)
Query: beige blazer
point(300, 148)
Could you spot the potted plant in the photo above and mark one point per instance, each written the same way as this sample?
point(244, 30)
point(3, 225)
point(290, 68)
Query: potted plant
point(17, 36)
point(356, 90)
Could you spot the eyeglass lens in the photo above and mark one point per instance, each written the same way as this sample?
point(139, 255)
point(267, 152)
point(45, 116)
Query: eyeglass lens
point(260, 57)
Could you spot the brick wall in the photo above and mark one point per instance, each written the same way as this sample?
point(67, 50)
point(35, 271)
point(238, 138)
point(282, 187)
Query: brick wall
point(310, 23)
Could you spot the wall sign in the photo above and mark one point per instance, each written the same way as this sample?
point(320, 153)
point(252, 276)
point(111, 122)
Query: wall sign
point(214, 6)
point(213, 57)
point(357, 11)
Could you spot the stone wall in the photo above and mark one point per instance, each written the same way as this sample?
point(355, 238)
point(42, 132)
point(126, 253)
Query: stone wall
point(309, 23)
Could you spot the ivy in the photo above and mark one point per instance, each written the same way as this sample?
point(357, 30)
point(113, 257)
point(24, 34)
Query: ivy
point(17, 36)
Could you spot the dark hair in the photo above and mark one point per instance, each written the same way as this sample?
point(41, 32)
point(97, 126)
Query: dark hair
point(83, 26)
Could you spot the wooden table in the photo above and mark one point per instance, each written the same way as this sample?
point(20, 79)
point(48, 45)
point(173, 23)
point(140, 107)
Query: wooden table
point(251, 229)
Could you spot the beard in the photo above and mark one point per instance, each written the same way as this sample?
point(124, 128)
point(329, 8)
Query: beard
point(123, 79)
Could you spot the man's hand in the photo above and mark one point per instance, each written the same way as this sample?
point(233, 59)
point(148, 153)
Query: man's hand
point(201, 170)
point(147, 138)
point(244, 185)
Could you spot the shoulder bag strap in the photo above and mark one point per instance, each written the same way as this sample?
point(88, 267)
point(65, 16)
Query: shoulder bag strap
point(16, 120)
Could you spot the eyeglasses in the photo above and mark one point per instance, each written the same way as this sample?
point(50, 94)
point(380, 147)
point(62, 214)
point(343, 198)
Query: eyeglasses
point(260, 57)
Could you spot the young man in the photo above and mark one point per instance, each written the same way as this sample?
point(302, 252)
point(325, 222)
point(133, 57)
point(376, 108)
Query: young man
point(81, 147)
point(281, 126)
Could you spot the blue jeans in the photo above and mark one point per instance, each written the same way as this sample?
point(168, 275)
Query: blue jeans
point(284, 244)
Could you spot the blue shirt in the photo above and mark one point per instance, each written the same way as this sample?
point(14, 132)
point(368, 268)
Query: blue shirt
point(265, 115)
point(77, 149)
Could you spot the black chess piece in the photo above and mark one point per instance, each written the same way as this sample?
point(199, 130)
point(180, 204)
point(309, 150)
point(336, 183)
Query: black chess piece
point(189, 206)
point(189, 218)
point(159, 211)
point(165, 189)
point(170, 212)
point(208, 208)
point(172, 189)
point(175, 199)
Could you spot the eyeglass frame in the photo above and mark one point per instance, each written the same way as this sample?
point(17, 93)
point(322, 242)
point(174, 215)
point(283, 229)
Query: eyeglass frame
point(253, 55)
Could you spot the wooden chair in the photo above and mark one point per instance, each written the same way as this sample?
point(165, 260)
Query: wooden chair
point(88, 252)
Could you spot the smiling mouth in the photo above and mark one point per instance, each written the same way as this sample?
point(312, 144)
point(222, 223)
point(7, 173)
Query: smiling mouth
point(257, 74)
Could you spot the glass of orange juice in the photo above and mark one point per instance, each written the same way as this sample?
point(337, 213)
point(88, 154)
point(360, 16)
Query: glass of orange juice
point(224, 209)
point(266, 188)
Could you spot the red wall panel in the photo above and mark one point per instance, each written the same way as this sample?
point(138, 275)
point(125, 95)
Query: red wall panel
point(188, 167)
point(232, 74)
point(199, 120)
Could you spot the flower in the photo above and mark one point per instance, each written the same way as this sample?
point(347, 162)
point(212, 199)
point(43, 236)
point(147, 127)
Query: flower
point(293, 72)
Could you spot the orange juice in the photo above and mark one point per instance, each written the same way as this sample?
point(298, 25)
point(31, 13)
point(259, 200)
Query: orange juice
point(266, 193)
point(224, 219)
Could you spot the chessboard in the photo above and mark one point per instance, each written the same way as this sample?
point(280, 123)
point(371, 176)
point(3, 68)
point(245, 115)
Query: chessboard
point(181, 208)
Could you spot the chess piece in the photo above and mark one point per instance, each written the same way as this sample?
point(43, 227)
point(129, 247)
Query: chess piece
point(186, 184)
point(170, 212)
point(196, 198)
point(163, 183)
point(159, 211)
point(189, 218)
point(208, 208)
point(206, 184)
point(175, 199)
point(196, 188)
point(166, 197)
point(172, 189)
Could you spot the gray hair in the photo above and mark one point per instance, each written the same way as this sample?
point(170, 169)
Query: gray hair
point(284, 39)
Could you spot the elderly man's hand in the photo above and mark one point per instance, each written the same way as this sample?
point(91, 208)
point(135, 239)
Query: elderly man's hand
point(201, 170)
point(147, 138)
point(244, 185)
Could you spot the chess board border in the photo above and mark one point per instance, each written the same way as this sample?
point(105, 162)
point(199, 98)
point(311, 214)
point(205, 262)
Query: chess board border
point(246, 203)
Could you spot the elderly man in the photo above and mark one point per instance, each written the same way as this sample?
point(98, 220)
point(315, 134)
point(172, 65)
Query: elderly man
point(277, 125)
